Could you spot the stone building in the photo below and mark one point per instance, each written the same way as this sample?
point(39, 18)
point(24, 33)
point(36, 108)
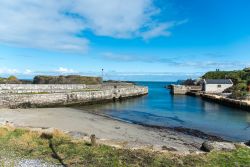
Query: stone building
point(216, 85)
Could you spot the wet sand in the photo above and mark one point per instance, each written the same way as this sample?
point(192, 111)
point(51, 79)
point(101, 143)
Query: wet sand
point(82, 124)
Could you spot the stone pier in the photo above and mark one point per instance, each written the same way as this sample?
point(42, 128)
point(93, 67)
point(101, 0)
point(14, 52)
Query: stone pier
point(28, 96)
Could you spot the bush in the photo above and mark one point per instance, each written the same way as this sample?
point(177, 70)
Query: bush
point(239, 91)
point(235, 76)
point(247, 69)
point(189, 82)
point(12, 78)
point(241, 86)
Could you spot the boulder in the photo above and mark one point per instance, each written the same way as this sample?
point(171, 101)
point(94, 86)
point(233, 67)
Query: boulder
point(248, 143)
point(209, 146)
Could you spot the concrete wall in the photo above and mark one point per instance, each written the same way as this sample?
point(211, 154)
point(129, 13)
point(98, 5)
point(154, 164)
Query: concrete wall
point(216, 88)
point(179, 89)
point(13, 100)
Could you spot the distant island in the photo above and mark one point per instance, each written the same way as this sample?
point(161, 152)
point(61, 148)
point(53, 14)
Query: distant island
point(42, 79)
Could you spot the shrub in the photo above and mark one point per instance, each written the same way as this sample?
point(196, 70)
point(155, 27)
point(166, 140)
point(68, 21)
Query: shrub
point(12, 78)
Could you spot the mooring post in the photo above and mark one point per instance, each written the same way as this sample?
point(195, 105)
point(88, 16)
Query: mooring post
point(93, 140)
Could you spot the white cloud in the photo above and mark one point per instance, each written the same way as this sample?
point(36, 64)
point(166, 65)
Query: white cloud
point(119, 57)
point(39, 24)
point(27, 72)
point(161, 29)
point(117, 18)
point(63, 70)
point(177, 61)
point(53, 24)
point(8, 71)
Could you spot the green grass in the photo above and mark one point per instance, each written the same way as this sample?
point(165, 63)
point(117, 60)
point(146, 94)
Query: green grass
point(20, 143)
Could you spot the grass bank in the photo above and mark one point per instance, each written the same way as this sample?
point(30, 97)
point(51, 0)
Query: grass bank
point(62, 149)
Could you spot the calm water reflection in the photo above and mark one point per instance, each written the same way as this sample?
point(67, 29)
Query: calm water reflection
point(160, 108)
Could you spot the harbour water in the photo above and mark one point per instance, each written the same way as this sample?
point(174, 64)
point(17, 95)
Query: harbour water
point(160, 108)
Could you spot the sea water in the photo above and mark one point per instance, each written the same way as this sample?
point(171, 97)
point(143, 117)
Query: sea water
point(160, 108)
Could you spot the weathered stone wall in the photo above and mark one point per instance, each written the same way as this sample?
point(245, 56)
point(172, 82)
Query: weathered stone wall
point(23, 100)
point(179, 89)
point(36, 88)
point(109, 85)
point(241, 104)
point(184, 89)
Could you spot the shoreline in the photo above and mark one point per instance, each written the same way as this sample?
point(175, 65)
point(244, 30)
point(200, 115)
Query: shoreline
point(109, 131)
point(52, 147)
point(187, 131)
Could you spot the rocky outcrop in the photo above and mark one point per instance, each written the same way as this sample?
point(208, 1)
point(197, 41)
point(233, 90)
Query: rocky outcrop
point(71, 79)
point(10, 80)
point(209, 146)
point(248, 143)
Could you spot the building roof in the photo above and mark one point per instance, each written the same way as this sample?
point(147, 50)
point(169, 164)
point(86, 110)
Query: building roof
point(218, 81)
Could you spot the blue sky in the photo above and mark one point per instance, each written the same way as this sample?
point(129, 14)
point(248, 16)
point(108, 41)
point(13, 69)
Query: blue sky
point(130, 39)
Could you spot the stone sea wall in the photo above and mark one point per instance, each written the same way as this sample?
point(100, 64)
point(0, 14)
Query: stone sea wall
point(183, 89)
point(43, 95)
point(241, 104)
point(36, 88)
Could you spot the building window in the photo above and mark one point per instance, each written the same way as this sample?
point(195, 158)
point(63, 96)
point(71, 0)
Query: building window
point(219, 86)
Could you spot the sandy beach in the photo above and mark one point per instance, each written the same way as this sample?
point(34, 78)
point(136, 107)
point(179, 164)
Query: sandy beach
point(82, 124)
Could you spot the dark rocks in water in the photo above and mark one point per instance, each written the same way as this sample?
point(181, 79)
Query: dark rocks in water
point(70, 79)
point(187, 131)
point(168, 148)
point(248, 143)
point(197, 133)
point(209, 146)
